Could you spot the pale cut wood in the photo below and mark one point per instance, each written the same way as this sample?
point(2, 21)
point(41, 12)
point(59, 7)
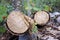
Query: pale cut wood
point(41, 17)
point(30, 20)
point(16, 22)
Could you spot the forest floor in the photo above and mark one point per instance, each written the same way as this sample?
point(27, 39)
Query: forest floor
point(50, 31)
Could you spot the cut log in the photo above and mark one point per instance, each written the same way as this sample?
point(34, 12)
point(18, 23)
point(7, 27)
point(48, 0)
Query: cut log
point(41, 17)
point(17, 23)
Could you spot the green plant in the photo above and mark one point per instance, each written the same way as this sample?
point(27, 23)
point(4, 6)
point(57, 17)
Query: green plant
point(37, 5)
point(3, 12)
point(2, 29)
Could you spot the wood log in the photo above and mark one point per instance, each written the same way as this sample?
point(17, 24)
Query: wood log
point(16, 22)
point(41, 17)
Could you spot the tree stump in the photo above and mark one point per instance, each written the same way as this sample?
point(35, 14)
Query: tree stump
point(41, 17)
point(17, 22)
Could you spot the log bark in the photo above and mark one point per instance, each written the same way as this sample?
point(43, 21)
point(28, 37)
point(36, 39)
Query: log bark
point(41, 17)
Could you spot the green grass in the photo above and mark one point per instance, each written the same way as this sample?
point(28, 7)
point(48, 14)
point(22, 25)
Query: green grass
point(2, 29)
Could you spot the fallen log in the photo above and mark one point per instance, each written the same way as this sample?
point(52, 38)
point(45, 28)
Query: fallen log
point(18, 23)
point(41, 17)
